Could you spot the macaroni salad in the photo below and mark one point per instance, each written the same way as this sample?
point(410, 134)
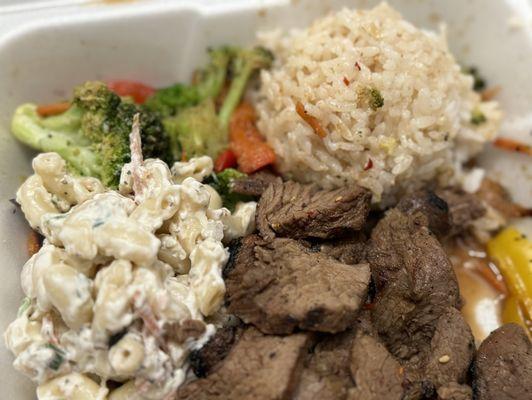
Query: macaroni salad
point(127, 283)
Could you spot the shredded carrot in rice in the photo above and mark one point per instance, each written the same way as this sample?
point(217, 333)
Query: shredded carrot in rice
point(513, 145)
point(490, 93)
point(309, 119)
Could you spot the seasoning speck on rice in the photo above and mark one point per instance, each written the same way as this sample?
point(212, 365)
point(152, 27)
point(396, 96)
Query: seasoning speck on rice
point(407, 108)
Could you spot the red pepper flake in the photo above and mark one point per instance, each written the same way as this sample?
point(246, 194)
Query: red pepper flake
point(369, 306)
point(512, 145)
point(309, 119)
point(357, 66)
point(369, 164)
point(346, 81)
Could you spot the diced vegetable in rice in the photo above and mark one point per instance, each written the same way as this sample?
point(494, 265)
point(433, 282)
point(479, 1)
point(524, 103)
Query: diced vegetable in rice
point(382, 90)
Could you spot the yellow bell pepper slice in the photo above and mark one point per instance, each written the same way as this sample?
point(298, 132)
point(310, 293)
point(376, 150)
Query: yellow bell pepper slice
point(512, 251)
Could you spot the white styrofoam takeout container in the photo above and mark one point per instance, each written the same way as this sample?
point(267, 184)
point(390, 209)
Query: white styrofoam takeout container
point(47, 47)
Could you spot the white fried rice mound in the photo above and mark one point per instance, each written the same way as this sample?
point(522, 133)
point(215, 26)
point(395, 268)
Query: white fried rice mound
point(423, 131)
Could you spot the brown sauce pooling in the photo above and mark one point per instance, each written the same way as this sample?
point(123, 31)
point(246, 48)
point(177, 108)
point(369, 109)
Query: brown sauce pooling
point(481, 286)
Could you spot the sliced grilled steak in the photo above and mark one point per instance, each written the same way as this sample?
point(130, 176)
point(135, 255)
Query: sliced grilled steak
point(204, 360)
point(326, 374)
point(351, 250)
point(464, 209)
point(290, 209)
point(258, 367)
point(414, 280)
point(451, 351)
point(444, 362)
point(281, 285)
point(255, 184)
point(376, 373)
point(417, 296)
point(449, 211)
point(431, 206)
point(503, 367)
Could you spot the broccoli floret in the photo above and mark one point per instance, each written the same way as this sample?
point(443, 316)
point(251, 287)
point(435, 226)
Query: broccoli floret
point(200, 129)
point(170, 100)
point(222, 182)
point(208, 83)
point(197, 131)
point(93, 134)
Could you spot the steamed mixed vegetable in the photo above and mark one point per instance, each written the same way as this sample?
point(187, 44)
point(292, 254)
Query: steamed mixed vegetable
point(92, 135)
point(91, 131)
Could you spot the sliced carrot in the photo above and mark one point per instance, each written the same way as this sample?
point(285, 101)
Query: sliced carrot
point(226, 159)
point(251, 151)
point(47, 110)
point(309, 119)
point(139, 91)
point(513, 145)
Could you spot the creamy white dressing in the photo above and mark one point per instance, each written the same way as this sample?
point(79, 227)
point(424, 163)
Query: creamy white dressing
point(116, 269)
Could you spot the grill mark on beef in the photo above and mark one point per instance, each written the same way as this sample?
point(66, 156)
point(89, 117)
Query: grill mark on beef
point(464, 209)
point(250, 372)
point(204, 360)
point(234, 248)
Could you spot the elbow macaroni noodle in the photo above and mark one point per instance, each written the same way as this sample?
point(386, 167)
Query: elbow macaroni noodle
point(116, 268)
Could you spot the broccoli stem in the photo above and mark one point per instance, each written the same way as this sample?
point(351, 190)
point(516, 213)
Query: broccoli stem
point(69, 121)
point(212, 79)
point(244, 64)
point(236, 90)
point(28, 127)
